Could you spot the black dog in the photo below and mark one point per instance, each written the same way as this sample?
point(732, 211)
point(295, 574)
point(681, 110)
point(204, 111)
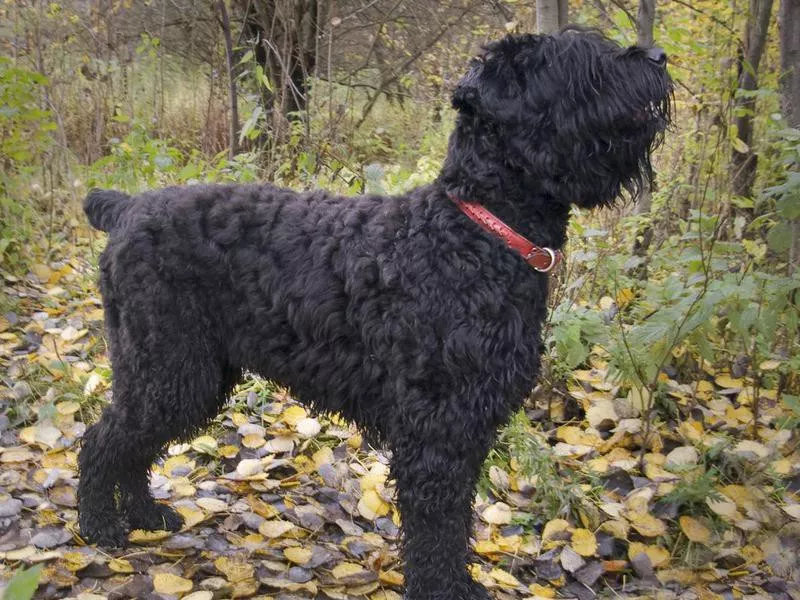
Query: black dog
point(416, 316)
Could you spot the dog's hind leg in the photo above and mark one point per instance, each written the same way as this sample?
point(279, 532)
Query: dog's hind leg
point(159, 395)
point(436, 472)
point(99, 519)
point(180, 406)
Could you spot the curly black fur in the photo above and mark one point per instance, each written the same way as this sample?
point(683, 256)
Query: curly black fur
point(397, 312)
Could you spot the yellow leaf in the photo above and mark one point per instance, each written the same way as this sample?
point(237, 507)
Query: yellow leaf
point(749, 449)
point(498, 513)
point(75, 561)
point(576, 436)
point(556, 529)
point(486, 547)
point(205, 444)
point(624, 297)
point(391, 578)
point(274, 529)
point(297, 554)
point(212, 505)
point(639, 399)
point(261, 508)
point(658, 556)
point(606, 302)
point(782, 466)
point(752, 554)
point(724, 507)
point(724, 380)
point(180, 463)
point(228, 451)
point(238, 419)
point(68, 407)
point(191, 516)
point(691, 430)
point(371, 505)
point(647, 525)
point(346, 569)
point(248, 467)
point(16, 455)
point(253, 441)
point(769, 365)
point(639, 500)
point(510, 544)
point(355, 441)
point(704, 390)
point(504, 578)
point(293, 415)
point(543, 591)
point(120, 565)
point(374, 478)
point(183, 488)
point(167, 583)
point(323, 456)
point(740, 494)
point(279, 444)
point(140, 536)
point(598, 465)
point(584, 542)
point(695, 530)
point(234, 570)
point(42, 272)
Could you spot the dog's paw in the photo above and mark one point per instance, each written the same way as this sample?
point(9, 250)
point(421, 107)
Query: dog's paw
point(468, 589)
point(110, 534)
point(155, 517)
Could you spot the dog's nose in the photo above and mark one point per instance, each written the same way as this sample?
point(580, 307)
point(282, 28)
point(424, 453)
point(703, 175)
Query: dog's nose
point(657, 55)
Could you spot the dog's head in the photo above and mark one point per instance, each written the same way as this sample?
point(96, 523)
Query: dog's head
point(573, 111)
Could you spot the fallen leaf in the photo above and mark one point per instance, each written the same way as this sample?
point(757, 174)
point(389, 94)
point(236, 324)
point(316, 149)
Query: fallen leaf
point(167, 583)
point(498, 513)
point(371, 505)
point(297, 554)
point(120, 565)
point(346, 569)
point(557, 528)
point(504, 578)
point(274, 529)
point(647, 525)
point(584, 542)
point(695, 530)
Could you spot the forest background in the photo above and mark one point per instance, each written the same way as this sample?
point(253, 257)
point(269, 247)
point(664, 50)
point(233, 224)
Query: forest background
point(659, 454)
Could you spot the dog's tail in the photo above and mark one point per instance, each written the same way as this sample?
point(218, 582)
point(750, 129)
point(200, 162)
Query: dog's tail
point(105, 207)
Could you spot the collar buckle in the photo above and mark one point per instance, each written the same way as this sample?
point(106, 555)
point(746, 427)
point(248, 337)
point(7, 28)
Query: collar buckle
point(550, 266)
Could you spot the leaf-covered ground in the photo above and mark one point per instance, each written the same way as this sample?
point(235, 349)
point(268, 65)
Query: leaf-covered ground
point(280, 503)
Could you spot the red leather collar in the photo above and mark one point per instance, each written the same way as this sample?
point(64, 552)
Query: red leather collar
point(542, 259)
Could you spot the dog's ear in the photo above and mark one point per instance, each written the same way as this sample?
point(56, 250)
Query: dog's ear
point(497, 77)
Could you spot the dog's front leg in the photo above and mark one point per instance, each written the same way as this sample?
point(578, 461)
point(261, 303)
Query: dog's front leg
point(436, 477)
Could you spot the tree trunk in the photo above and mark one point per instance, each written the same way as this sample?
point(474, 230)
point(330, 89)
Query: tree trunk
point(547, 16)
point(645, 21)
point(286, 31)
point(644, 200)
point(743, 159)
point(789, 21)
point(232, 95)
point(563, 12)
